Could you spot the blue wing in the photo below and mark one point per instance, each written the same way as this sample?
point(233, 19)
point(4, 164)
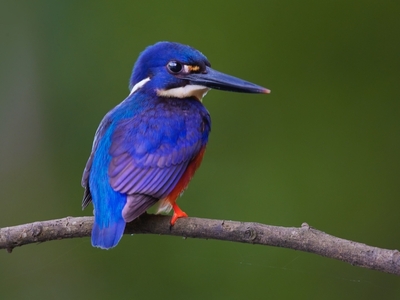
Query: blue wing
point(152, 150)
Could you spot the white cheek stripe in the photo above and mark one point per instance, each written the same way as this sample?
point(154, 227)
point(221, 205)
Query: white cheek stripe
point(198, 91)
point(139, 85)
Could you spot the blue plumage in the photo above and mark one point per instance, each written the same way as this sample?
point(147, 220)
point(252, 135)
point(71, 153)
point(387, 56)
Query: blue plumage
point(148, 147)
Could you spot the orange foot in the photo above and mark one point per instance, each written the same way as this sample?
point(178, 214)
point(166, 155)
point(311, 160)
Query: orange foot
point(178, 213)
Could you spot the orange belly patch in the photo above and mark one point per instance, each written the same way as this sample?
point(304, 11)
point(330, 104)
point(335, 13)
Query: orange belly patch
point(181, 186)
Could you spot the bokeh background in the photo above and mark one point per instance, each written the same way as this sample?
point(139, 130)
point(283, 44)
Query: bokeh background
point(322, 148)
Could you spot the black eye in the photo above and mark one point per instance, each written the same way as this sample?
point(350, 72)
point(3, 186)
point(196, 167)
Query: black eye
point(174, 67)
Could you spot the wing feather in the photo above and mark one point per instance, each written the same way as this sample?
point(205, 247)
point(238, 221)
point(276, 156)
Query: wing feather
point(151, 151)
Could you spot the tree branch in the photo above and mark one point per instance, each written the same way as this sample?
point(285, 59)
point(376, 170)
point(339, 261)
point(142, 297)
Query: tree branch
point(305, 238)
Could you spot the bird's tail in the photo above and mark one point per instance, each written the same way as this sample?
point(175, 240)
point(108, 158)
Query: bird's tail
point(109, 225)
point(106, 236)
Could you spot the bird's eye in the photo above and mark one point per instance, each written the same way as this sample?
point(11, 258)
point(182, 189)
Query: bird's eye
point(174, 67)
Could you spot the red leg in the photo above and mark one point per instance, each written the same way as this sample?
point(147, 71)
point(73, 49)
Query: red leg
point(178, 213)
point(182, 184)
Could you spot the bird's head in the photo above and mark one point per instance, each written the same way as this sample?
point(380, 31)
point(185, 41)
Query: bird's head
point(176, 70)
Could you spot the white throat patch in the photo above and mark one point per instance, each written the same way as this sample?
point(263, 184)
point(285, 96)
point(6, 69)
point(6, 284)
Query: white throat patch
point(190, 90)
point(139, 85)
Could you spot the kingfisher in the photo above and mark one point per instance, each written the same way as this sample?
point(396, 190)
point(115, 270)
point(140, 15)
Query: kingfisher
point(147, 148)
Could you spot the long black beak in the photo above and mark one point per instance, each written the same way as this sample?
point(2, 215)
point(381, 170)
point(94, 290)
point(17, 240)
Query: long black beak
point(220, 81)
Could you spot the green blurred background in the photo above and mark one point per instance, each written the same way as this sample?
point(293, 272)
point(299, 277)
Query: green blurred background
point(322, 148)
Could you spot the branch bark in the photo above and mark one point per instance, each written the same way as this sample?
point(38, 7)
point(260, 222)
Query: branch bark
point(305, 238)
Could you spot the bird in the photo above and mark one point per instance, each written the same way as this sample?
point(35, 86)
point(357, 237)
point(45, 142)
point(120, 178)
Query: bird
point(148, 147)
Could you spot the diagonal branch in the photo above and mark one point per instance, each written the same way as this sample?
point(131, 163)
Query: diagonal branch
point(305, 238)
